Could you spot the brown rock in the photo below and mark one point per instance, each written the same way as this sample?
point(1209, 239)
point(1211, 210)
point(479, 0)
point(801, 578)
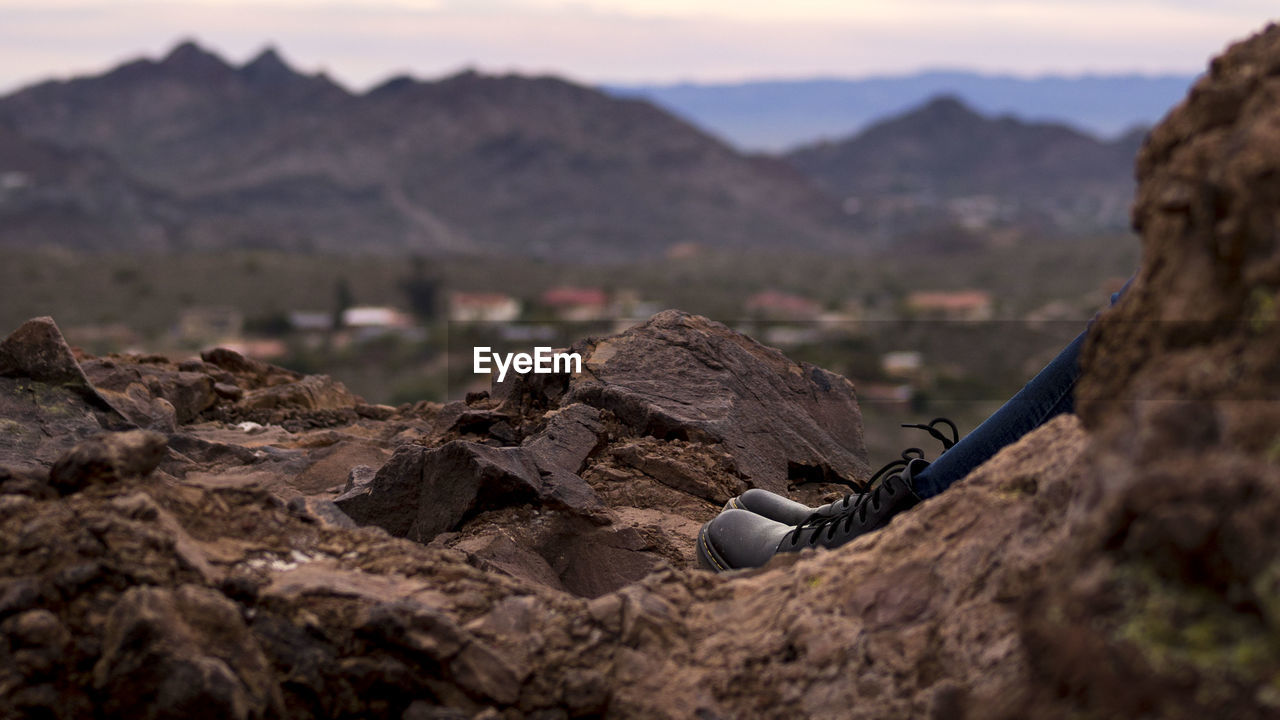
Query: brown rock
point(421, 492)
point(37, 351)
point(319, 510)
point(333, 465)
point(571, 434)
point(682, 468)
point(234, 362)
point(313, 392)
point(134, 388)
point(680, 376)
point(498, 552)
point(415, 627)
point(482, 671)
point(182, 653)
point(40, 422)
point(108, 458)
point(1165, 586)
point(358, 477)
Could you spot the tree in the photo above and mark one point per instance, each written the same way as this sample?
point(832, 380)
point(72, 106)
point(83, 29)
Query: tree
point(343, 300)
point(421, 289)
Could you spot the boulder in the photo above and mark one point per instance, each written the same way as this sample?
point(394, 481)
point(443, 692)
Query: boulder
point(1163, 602)
point(47, 404)
point(108, 458)
point(680, 376)
point(37, 351)
point(421, 492)
point(188, 394)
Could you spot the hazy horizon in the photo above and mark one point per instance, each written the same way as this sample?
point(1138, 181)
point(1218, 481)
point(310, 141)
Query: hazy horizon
point(283, 53)
point(629, 42)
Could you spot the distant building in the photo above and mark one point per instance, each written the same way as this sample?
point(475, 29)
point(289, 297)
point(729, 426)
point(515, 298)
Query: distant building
point(483, 307)
point(577, 304)
point(310, 321)
point(902, 363)
point(363, 324)
point(262, 349)
point(954, 305)
point(786, 336)
point(774, 305)
point(376, 317)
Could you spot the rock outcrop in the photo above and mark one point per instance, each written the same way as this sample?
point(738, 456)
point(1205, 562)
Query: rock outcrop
point(1164, 602)
point(527, 553)
point(664, 424)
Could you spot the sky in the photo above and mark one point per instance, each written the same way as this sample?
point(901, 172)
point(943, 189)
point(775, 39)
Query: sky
point(628, 41)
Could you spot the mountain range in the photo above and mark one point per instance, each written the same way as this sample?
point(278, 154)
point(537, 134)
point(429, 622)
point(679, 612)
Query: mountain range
point(260, 155)
point(944, 164)
point(190, 152)
point(778, 115)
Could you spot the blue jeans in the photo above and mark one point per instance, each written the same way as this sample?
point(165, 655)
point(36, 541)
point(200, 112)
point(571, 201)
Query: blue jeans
point(1050, 393)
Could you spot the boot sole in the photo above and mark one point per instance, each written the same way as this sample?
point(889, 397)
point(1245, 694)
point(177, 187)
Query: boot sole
point(708, 558)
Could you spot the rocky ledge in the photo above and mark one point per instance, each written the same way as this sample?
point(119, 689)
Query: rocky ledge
point(223, 538)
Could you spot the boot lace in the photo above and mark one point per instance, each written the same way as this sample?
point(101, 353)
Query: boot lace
point(851, 500)
point(828, 525)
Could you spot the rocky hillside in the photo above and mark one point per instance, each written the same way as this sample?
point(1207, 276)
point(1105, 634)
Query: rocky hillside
point(79, 196)
point(260, 155)
point(222, 538)
point(946, 163)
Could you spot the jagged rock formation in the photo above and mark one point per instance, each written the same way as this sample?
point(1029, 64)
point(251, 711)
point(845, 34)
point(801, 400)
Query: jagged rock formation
point(1119, 565)
point(622, 462)
point(221, 504)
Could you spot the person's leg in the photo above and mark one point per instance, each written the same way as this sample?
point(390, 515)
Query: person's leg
point(1050, 393)
point(739, 537)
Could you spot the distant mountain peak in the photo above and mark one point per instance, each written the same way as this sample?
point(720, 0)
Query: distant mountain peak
point(268, 68)
point(945, 108)
point(394, 85)
point(188, 57)
point(946, 102)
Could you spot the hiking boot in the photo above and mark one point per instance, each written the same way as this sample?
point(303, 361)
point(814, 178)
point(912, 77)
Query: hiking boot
point(738, 539)
point(776, 507)
point(789, 512)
